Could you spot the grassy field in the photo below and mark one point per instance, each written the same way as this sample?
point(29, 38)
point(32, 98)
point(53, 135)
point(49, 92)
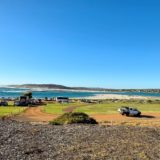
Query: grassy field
point(104, 108)
point(109, 108)
point(10, 110)
point(56, 108)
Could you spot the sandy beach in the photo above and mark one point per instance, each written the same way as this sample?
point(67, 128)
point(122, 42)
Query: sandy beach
point(116, 96)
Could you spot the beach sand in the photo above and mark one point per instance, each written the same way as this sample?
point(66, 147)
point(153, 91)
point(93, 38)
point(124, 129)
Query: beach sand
point(116, 96)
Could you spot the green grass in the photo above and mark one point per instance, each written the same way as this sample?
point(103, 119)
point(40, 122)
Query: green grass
point(4, 111)
point(56, 108)
point(109, 108)
point(104, 108)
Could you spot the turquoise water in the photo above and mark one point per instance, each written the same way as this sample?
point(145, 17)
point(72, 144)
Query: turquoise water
point(13, 92)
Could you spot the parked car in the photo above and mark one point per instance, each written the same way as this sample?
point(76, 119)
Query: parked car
point(31, 102)
point(18, 103)
point(3, 103)
point(62, 99)
point(129, 111)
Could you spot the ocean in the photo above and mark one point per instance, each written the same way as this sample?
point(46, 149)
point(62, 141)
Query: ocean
point(39, 93)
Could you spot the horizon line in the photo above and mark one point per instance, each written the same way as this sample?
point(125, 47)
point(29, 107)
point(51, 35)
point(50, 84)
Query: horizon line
point(5, 85)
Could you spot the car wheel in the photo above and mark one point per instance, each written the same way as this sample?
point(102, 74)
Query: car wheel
point(138, 115)
point(127, 114)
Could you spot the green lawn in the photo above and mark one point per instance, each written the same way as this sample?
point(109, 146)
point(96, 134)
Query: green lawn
point(105, 108)
point(57, 108)
point(10, 110)
point(110, 108)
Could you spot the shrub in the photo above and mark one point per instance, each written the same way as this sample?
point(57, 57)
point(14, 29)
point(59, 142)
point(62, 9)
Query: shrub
point(71, 118)
point(149, 101)
point(28, 94)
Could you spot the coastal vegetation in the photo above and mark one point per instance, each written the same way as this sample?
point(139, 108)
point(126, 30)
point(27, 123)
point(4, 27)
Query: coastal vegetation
point(28, 94)
point(71, 118)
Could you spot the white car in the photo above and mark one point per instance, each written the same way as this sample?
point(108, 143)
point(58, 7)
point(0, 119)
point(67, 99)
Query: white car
point(129, 111)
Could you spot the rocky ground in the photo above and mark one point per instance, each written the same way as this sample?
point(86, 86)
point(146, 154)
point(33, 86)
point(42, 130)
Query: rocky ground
point(24, 141)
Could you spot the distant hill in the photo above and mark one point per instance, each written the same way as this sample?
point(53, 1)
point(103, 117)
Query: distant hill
point(56, 86)
point(49, 86)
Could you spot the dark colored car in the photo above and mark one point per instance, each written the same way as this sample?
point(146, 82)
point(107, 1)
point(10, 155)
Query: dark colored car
point(3, 103)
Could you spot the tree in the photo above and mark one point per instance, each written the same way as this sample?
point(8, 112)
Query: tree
point(28, 94)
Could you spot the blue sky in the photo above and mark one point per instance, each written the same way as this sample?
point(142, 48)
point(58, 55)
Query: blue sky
point(95, 43)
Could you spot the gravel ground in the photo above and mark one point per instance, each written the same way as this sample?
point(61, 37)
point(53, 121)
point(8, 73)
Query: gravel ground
point(24, 141)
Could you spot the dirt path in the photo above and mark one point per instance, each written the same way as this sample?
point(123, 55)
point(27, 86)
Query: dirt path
point(34, 114)
point(119, 117)
point(147, 119)
point(72, 108)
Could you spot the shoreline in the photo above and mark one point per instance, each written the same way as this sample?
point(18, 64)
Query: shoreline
point(119, 97)
point(101, 95)
point(54, 89)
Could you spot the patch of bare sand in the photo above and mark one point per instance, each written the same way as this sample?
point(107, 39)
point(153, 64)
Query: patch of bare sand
point(147, 119)
point(117, 96)
point(34, 114)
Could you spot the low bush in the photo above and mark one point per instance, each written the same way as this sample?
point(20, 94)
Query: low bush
point(73, 117)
